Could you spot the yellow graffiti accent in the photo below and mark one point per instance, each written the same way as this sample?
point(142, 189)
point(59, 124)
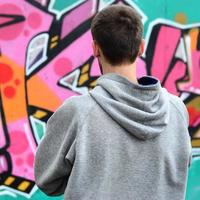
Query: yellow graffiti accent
point(83, 79)
point(55, 38)
point(85, 69)
point(181, 18)
point(23, 186)
point(93, 83)
point(196, 143)
point(9, 180)
point(39, 114)
point(53, 45)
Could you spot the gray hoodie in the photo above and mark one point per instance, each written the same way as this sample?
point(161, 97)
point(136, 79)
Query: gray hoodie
point(121, 141)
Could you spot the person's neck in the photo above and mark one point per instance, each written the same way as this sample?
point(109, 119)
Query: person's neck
point(126, 70)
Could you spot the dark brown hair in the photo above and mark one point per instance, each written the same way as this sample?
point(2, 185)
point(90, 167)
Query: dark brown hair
point(118, 30)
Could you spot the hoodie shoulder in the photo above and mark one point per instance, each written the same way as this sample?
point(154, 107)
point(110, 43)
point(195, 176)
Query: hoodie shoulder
point(73, 108)
point(80, 104)
point(179, 105)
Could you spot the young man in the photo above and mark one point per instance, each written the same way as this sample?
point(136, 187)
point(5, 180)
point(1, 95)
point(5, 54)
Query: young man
point(125, 140)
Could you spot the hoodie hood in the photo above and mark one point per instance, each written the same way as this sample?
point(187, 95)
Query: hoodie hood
point(141, 109)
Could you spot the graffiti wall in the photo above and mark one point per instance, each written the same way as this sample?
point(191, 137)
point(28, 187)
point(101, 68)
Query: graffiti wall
point(46, 57)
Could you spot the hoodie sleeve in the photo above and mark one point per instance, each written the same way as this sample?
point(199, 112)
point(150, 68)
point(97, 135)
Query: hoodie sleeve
point(186, 115)
point(56, 152)
point(181, 107)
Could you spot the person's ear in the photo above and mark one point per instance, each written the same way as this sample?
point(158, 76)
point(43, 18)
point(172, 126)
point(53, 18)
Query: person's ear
point(141, 50)
point(95, 47)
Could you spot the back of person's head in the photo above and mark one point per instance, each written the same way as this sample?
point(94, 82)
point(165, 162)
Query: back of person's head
point(117, 30)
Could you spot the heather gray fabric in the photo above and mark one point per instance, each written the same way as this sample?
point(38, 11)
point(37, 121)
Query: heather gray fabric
point(119, 142)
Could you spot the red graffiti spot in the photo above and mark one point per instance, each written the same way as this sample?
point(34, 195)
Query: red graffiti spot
point(6, 73)
point(30, 159)
point(9, 92)
point(19, 143)
point(62, 66)
point(17, 81)
point(19, 161)
point(13, 30)
point(26, 33)
point(194, 115)
point(34, 20)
